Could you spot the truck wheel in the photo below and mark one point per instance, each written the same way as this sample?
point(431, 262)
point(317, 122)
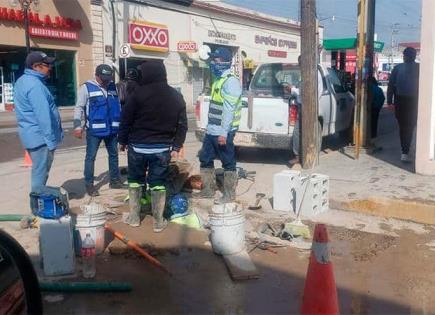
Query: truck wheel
point(237, 152)
point(346, 135)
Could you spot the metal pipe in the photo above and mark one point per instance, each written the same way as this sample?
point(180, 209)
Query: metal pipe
point(25, 6)
point(11, 217)
point(113, 31)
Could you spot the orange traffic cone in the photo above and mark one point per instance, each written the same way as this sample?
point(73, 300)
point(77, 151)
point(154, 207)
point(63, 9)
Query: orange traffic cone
point(320, 293)
point(27, 160)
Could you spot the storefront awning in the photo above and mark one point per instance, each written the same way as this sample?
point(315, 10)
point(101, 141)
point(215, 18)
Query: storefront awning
point(192, 62)
point(347, 43)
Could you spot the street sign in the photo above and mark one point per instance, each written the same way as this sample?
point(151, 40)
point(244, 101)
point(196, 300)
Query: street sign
point(187, 46)
point(124, 51)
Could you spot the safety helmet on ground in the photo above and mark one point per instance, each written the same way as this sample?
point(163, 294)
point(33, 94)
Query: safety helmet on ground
point(178, 206)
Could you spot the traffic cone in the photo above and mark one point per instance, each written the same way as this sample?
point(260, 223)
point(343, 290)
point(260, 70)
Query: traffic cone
point(320, 293)
point(27, 160)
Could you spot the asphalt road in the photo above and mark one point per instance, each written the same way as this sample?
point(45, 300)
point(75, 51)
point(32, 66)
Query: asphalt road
point(11, 147)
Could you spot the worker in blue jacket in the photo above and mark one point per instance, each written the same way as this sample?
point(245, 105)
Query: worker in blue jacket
point(39, 123)
point(98, 103)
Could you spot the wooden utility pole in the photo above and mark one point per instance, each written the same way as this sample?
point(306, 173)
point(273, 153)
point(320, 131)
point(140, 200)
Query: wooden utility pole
point(365, 50)
point(309, 97)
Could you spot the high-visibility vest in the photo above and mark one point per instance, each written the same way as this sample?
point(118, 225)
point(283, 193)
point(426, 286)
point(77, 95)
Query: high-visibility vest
point(103, 114)
point(217, 104)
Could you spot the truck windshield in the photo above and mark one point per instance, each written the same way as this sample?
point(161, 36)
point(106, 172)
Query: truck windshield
point(276, 76)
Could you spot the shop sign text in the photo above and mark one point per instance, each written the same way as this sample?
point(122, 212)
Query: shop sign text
point(277, 53)
point(148, 36)
point(187, 46)
point(44, 32)
point(57, 22)
point(222, 37)
point(275, 42)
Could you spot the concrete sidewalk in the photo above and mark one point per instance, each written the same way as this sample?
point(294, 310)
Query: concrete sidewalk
point(380, 183)
point(376, 184)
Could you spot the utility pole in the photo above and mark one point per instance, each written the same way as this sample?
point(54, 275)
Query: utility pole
point(309, 97)
point(365, 50)
point(25, 6)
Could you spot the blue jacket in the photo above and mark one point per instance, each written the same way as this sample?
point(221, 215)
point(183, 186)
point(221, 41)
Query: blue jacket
point(38, 119)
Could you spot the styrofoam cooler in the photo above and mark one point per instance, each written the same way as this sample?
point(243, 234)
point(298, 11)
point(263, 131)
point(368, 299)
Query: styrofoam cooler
point(56, 246)
point(286, 188)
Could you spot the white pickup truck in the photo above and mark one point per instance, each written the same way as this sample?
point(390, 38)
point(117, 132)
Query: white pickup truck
point(268, 116)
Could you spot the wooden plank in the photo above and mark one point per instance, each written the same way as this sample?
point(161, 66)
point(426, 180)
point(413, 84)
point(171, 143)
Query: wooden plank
point(241, 267)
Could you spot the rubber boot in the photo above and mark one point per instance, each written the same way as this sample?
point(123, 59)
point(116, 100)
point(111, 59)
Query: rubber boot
point(230, 184)
point(208, 177)
point(158, 200)
point(135, 193)
point(145, 202)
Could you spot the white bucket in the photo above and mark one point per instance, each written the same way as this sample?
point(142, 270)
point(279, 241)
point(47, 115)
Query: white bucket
point(227, 225)
point(92, 222)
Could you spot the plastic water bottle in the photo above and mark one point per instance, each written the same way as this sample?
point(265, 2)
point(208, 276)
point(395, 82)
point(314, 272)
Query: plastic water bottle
point(88, 257)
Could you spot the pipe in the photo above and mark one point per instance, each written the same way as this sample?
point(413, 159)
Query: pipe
point(12, 217)
point(113, 31)
point(138, 249)
point(85, 286)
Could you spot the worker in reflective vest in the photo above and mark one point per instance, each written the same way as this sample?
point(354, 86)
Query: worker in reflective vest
point(223, 122)
point(98, 103)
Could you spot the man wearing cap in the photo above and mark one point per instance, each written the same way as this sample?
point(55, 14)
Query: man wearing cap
point(39, 123)
point(126, 87)
point(223, 122)
point(402, 97)
point(98, 102)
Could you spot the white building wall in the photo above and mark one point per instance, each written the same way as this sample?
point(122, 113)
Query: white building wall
point(425, 154)
point(186, 23)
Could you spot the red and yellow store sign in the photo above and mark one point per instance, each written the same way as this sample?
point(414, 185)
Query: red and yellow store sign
point(148, 36)
point(46, 26)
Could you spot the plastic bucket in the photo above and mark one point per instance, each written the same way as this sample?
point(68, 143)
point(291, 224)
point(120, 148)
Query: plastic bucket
point(94, 225)
point(227, 231)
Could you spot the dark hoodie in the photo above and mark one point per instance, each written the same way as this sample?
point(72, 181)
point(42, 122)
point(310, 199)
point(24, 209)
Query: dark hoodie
point(155, 113)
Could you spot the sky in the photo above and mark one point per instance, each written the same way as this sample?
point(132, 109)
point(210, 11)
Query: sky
point(405, 15)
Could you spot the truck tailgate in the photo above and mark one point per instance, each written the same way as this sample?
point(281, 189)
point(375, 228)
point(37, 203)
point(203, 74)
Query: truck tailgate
point(269, 115)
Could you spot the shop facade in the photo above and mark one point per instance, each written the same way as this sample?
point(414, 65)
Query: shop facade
point(61, 29)
point(174, 33)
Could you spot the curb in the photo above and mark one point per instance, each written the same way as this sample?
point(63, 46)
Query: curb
point(419, 211)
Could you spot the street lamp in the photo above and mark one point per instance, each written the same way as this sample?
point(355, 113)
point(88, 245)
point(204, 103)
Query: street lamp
point(25, 6)
point(332, 18)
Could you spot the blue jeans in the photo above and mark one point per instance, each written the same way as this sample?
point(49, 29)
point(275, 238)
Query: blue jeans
point(92, 145)
point(156, 165)
point(211, 149)
point(42, 158)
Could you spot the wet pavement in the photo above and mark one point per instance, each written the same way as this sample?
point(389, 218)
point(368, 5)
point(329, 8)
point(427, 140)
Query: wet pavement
point(375, 274)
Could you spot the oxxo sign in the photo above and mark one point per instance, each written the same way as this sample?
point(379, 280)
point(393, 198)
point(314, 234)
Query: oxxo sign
point(187, 46)
point(148, 36)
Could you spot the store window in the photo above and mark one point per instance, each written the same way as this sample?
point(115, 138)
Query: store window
point(62, 82)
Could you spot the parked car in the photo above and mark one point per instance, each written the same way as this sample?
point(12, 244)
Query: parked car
point(268, 115)
point(19, 286)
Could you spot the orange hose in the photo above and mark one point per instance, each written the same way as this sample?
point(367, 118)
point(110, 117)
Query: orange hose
point(137, 248)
